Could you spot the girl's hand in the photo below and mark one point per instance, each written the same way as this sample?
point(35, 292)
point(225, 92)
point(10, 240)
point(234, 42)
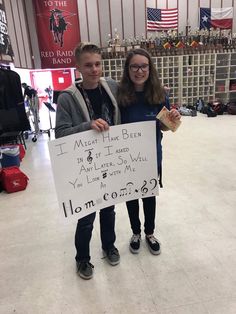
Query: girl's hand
point(174, 115)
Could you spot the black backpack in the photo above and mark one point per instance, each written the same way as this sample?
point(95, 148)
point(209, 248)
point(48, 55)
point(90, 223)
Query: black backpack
point(218, 107)
point(231, 108)
point(210, 112)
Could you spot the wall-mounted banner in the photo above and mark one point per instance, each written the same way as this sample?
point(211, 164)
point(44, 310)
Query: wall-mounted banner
point(94, 170)
point(6, 52)
point(58, 32)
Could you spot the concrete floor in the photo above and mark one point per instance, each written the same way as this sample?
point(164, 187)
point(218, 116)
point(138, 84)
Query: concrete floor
point(196, 223)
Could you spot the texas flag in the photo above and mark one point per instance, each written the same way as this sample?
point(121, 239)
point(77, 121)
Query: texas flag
point(216, 17)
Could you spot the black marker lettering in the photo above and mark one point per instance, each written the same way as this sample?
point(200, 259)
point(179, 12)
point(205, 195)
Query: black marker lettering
point(105, 196)
point(123, 192)
point(155, 183)
point(73, 183)
point(89, 204)
point(109, 152)
point(61, 151)
point(105, 137)
point(114, 195)
point(144, 190)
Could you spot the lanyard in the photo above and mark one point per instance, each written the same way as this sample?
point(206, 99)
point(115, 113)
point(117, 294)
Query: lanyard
point(105, 114)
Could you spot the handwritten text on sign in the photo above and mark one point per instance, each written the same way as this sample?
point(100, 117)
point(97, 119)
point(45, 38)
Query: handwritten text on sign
point(95, 170)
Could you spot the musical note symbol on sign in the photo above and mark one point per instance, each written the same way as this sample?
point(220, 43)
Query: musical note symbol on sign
point(89, 158)
point(144, 190)
point(104, 174)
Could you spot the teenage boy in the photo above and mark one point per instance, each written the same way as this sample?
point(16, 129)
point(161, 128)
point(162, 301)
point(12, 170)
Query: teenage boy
point(90, 104)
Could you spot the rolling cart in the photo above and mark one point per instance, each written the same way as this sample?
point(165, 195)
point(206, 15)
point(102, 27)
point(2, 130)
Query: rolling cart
point(33, 115)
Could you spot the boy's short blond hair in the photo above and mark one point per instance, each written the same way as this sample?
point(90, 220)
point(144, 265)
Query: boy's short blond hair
point(86, 47)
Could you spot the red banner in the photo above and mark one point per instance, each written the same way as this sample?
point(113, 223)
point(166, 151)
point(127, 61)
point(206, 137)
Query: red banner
point(58, 32)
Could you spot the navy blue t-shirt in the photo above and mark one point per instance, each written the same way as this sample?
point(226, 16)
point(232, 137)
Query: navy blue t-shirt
point(142, 111)
point(98, 98)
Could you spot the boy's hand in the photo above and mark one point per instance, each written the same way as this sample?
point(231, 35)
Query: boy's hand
point(99, 125)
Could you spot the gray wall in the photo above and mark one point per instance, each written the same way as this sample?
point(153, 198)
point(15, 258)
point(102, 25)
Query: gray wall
point(132, 13)
point(19, 33)
point(98, 18)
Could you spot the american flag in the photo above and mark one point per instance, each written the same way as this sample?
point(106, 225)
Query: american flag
point(160, 19)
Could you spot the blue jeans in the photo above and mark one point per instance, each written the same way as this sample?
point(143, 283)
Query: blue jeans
point(84, 230)
point(149, 208)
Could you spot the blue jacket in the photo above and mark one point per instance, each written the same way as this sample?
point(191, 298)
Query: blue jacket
point(142, 111)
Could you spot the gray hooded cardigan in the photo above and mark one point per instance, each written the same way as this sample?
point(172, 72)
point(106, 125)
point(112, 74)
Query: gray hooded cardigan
point(72, 115)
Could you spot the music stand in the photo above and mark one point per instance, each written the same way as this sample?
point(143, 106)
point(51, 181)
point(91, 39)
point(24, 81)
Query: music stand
point(50, 109)
point(55, 96)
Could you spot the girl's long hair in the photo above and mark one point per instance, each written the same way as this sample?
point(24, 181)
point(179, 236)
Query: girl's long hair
point(153, 89)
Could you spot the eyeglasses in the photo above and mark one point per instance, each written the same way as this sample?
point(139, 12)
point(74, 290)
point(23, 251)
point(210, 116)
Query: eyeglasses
point(135, 67)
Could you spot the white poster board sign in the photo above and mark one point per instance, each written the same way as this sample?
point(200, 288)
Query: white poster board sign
point(95, 170)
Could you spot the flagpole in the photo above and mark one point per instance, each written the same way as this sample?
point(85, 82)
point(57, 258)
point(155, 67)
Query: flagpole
point(86, 12)
point(99, 24)
point(199, 18)
point(109, 6)
point(134, 18)
point(146, 17)
point(122, 19)
point(178, 16)
point(232, 20)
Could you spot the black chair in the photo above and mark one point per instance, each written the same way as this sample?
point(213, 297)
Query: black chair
point(13, 137)
point(13, 123)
